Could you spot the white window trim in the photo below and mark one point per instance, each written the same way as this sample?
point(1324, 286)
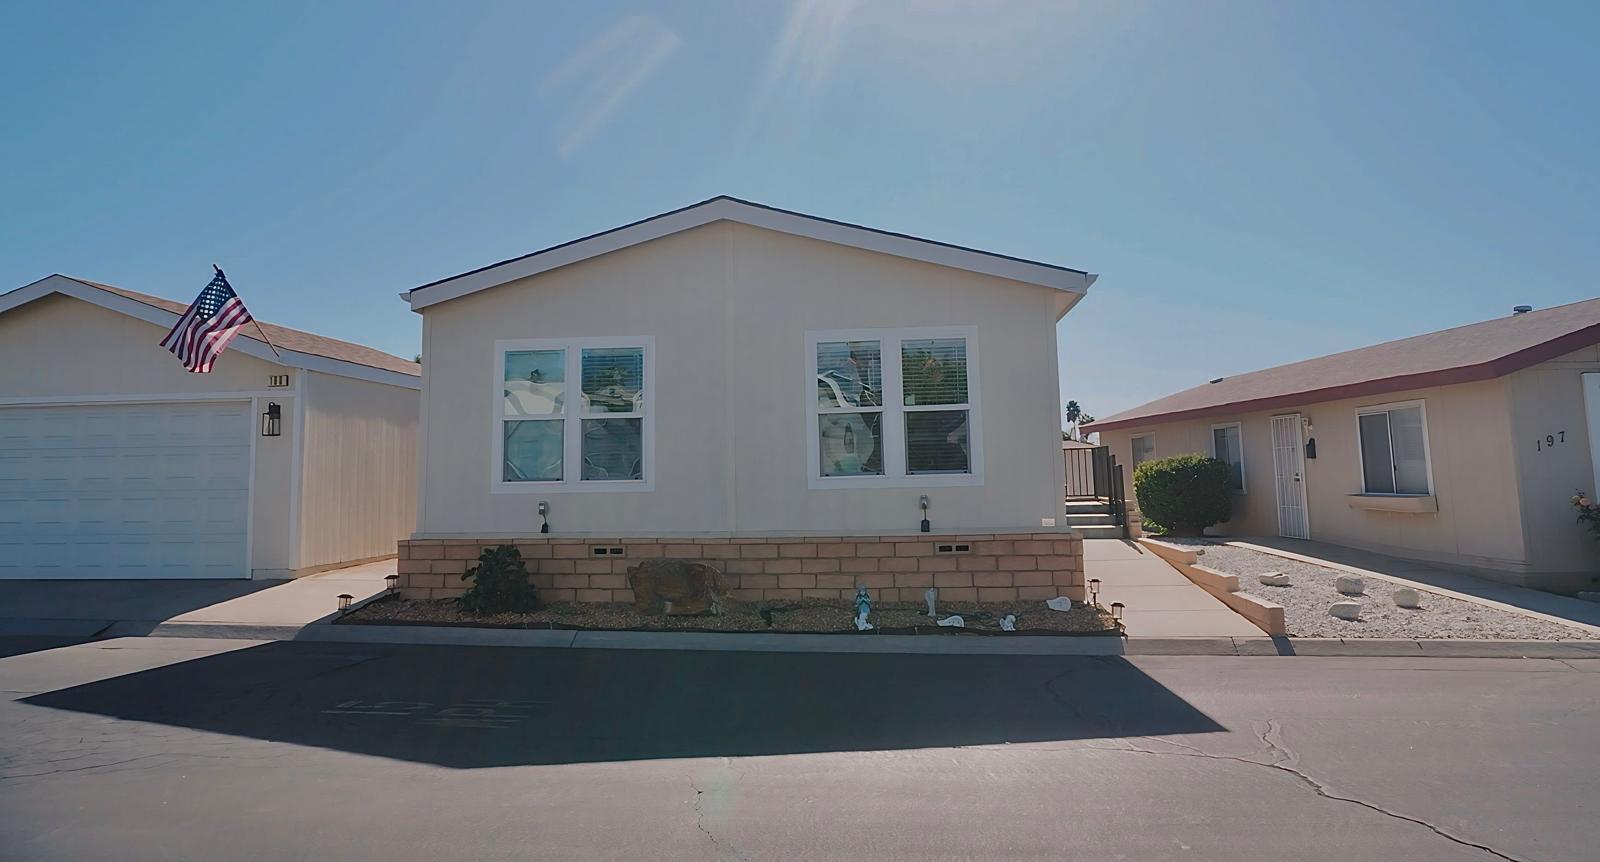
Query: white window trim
point(1244, 479)
point(571, 427)
point(1133, 463)
point(1427, 448)
point(894, 410)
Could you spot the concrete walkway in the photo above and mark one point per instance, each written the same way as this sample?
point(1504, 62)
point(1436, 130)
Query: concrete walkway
point(299, 602)
point(1161, 602)
point(85, 608)
point(1366, 562)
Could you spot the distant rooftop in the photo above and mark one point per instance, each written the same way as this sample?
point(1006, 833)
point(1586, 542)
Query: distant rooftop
point(1477, 351)
point(283, 336)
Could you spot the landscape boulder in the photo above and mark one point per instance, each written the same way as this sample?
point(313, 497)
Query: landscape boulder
point(1345, 610)
point(1406, 597)
point(1274, 579)
point(677, 588)
point(1350, 585)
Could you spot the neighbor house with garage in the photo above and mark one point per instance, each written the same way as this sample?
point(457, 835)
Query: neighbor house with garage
point(115, 462)
point(811, 405)
point(1461, 447)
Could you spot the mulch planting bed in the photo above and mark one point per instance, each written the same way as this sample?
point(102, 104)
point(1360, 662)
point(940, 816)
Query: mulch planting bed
point(798, 617)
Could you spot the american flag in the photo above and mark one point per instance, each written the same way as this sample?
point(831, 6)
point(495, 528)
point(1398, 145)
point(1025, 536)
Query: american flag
point(203, 332)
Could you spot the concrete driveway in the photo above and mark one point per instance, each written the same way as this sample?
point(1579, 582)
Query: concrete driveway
point(87, 607)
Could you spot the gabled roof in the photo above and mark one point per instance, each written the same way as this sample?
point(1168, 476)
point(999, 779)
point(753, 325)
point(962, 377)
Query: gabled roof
point(1478, 351)
point(299, 349)
point(724, 208)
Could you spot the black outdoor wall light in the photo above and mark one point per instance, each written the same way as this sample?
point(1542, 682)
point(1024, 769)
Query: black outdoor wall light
point(272, 421)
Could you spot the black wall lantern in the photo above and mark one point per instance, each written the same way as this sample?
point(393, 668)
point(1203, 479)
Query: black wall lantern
point(272, 421)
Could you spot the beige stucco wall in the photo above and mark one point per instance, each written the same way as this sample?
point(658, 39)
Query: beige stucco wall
point(729, 306)
point(105, 353)
point(1547, 401)
point(358, 488)
point(111, 355)
point(1478, 524)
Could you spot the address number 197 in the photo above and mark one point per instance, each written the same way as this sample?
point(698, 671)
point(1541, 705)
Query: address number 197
point(1548, 440)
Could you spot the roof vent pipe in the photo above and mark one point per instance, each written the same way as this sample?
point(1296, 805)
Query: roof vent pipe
point(1521, 309)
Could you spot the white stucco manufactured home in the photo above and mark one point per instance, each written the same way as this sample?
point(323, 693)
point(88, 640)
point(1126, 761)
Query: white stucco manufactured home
point(1462, 447)
point(730, 375)
point(117, 463)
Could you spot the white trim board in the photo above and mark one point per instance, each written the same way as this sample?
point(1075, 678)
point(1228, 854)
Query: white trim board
point(76, 289)
point(756, 215)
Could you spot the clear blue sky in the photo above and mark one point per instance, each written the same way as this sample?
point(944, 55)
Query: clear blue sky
point(1255, 182)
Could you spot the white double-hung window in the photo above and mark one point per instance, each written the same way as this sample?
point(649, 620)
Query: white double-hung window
point(573, 415)
point(893, 408)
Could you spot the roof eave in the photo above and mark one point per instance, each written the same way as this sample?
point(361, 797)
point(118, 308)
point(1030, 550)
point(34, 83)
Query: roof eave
point(755, 215)
point(82, 290)
point(1497, 367)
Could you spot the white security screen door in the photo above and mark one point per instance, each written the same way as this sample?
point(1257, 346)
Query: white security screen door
point(1288, 460)
point(125, 491)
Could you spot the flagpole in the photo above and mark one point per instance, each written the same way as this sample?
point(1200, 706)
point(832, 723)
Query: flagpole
point(263, 332)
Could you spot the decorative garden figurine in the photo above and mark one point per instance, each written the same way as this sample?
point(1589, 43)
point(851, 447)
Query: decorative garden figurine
point(863, 608)
point(1008, 623)
point(932, 595)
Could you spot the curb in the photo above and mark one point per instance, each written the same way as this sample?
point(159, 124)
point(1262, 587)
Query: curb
point(898, 644)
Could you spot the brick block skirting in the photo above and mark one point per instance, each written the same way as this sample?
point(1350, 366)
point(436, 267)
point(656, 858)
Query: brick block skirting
point(1004, 567)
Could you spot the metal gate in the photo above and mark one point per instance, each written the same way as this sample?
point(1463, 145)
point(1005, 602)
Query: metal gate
point(1088, 472)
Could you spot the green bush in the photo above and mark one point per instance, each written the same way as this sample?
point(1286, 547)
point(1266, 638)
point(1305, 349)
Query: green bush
point(1183, 494)
point(499, 584)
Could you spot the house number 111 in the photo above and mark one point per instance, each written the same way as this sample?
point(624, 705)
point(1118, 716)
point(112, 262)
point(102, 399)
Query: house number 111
point(1548, 440)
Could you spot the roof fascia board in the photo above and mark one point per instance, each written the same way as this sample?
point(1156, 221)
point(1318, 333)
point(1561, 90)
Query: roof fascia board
point(1498, 367)
point(161, 317)
point(782, 221)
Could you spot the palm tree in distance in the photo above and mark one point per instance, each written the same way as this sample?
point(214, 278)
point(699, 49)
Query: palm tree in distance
point(1073, 413)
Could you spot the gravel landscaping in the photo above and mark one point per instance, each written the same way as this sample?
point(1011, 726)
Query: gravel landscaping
point(813, 616)
point(1311, 590)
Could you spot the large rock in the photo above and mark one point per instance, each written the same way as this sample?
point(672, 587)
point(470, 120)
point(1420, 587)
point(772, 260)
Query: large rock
point(1346, 610)
point(677, 588)
point(1350, 585)
point(1274, 579)
point(1406, 597)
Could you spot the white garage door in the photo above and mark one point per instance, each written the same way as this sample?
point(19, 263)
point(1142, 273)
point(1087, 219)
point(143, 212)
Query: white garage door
point(125, 491)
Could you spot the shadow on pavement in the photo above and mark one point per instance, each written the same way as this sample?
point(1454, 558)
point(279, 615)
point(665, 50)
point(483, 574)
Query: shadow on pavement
point(466, 707)
point(133, 599)
point(12, 645)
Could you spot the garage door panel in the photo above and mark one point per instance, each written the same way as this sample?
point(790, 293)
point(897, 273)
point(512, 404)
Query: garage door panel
point(129, 491)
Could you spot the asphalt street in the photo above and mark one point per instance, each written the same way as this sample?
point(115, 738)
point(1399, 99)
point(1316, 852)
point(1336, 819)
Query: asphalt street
point(190, 749)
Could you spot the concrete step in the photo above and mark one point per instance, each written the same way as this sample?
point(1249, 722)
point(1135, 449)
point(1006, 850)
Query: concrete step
point(1075, 520)
point(1096, 507)
point(1098, 531)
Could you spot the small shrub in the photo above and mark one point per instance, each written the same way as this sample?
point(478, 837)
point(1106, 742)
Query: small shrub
point(1183, 494)
point(499, 584)
point(1588, 512)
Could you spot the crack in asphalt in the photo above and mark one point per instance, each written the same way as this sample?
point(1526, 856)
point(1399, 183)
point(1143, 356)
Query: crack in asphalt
point(725, 850)
point(1287, 760)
